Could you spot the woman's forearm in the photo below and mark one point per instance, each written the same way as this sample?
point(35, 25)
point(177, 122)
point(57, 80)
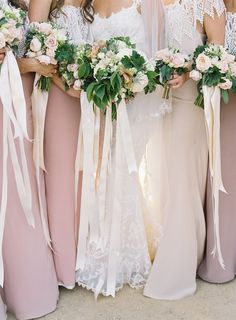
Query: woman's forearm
point(26, 65)
point(215, 29)
point(39, 10)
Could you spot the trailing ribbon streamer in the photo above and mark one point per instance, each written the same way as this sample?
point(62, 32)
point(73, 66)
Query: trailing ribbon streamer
point(124, 145)
point(88, 229)
point(93, 227)
point(14, 117)
point(212, 101)
point(39, 107)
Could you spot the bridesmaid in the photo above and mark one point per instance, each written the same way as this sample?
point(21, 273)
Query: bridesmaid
point(210, 270)
point(30, 285)
point(61, 137)
point(184, 157)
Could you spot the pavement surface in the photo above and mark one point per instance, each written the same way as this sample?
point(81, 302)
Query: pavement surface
point(211, 302)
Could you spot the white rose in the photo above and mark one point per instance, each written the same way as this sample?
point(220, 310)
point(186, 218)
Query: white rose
point(50, 52)
point(233, 69)
point(35, 45)
point(1, 14)
point(51, 42)
point(124, 52)
point(75, 75)
point(139, 83)
point(45, 28)
point(59, 34)
point(77, 85)
point(2, 41)
point(151, 65)
point(72, 67)
point(7, 35)
point(195, 75)
point(101, 55)
point(177, 60)
point(121, 45)
point(160, 55)
point(227, 57)
point(44, 59)
point(203, 62)
point(226, 85)
point(31, 54)
point(223, 66)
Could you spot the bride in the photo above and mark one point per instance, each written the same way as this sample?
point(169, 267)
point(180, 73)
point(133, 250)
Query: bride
point(112, 246)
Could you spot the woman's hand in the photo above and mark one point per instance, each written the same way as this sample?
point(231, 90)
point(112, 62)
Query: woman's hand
point(2, 55)
point(178, 81)
point(33, 65)
point(45, 70)
point(60, 84)
point(74, 93)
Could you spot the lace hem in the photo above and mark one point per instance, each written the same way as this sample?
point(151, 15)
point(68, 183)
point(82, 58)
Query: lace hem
point(104, 293)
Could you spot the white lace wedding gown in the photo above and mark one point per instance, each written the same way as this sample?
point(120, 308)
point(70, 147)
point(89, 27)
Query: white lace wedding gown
point(184, 159)
point(121, 256)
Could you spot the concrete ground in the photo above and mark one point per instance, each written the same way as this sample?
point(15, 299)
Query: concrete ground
point(211, 302)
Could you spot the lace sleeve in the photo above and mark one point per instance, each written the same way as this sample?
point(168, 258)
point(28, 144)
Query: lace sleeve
point(208, 7)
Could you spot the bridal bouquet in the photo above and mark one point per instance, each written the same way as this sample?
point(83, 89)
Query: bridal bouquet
point(110, 71)
point(213, 66)
point(167, 63)
point(11, 27)
point(43, 42)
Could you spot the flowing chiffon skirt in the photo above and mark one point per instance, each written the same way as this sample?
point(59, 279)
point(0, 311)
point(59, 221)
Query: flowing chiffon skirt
point(61, 136)
point(210, 269)
point(182, 181)
point(30, 284)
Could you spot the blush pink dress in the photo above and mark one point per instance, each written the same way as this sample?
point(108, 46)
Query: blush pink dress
point(210, 269)
point(30, 286)
point(61, 136)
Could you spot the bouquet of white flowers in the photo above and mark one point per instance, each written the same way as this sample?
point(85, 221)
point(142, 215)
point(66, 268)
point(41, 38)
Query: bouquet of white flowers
point(11, 27)
point(42, 42)
point(110, 71)
point(167, 63)
point(213, 66)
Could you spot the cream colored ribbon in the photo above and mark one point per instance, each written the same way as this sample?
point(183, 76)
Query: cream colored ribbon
point(93, 226)
point(14, 117)
point(124, 149)
point(212, 102)
point(39, 107)
point(88, 229)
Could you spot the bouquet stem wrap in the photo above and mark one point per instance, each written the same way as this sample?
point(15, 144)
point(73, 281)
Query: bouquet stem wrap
point(39, 108)
point(212, 102)
point(96, 166)
point(14, 129)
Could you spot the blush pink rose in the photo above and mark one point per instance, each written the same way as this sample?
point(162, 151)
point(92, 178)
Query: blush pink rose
point(51, 42)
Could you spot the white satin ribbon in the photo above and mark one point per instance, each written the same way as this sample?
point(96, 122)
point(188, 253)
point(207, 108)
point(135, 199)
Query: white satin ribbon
point(39, 108)
point(88, 229)
point(212, 102)
point(14, 117)
point(93, 216)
